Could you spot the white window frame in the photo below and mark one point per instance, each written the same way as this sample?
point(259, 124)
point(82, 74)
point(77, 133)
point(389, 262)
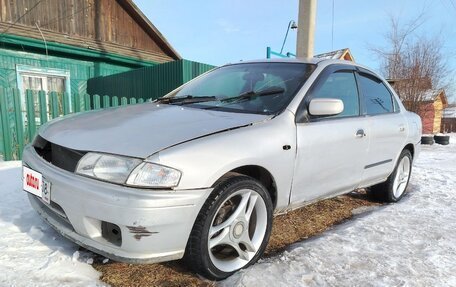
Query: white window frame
point(31, 71)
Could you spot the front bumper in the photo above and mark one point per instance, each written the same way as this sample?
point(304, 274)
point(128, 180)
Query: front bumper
point(150, 225)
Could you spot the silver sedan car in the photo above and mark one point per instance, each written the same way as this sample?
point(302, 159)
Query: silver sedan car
point(201, 172)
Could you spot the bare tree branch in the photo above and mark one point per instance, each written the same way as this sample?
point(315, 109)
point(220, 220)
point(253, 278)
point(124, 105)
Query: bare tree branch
point(415, 62)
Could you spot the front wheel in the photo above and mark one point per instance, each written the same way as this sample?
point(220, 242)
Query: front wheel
point(232, 229)
point(393, 189)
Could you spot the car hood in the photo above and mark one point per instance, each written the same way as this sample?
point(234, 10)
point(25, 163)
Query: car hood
point(140, 130)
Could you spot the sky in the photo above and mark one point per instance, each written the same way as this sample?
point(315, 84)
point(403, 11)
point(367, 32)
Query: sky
point(226, 31)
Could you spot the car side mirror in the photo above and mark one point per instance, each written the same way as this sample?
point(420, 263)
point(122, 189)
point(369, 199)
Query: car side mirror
point(325, 107)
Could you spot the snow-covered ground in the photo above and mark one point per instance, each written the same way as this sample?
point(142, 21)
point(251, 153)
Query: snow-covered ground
point(412, 243)
point(31, 252)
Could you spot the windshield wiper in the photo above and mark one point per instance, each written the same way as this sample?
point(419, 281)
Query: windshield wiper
point(188, 99)
point(253, 94)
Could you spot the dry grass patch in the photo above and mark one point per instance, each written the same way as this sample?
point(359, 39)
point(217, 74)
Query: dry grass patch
point(287, 229)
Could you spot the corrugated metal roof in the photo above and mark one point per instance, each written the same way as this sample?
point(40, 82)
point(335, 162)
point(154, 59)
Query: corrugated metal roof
point(342, 54)
point(431, 95)
point(334, 55)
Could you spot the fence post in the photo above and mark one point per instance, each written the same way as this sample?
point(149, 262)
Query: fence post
point(4, 119)
point(54, 105)
point(43, 107)
point(123, 101)
point(115, 101)
point(19, 122)
point(76, 102)
point(106, 101)
point(87, 102)
point(96, 102)
point(31, 123)
point(66, 103)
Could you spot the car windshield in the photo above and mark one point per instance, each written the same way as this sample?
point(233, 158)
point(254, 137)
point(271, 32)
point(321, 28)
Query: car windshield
point(261, 88)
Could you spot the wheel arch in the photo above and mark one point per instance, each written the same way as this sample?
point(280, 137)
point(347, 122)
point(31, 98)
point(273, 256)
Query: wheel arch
point(411, 148)
point(257, 172)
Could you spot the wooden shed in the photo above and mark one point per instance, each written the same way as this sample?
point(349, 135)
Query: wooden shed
point(431, 110)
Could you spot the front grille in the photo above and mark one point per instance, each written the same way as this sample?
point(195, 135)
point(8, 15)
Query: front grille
point(57, 155)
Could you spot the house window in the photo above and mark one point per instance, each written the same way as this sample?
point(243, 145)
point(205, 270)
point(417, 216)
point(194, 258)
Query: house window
point(42, 79)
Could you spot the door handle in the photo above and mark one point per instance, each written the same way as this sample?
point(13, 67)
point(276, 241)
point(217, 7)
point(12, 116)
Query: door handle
point(401, 128)
point(360, 133)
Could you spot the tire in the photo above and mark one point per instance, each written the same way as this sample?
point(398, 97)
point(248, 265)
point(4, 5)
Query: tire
point(393, 189)
point(225, 215)
point(443, 140)
point(429, 140)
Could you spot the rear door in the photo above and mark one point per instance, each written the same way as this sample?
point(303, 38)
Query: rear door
point(387, 128)
point(331, 150)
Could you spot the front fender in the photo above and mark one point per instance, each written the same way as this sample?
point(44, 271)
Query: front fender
point(203, 161)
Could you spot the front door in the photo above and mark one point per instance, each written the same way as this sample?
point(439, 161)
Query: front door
point(331, 150)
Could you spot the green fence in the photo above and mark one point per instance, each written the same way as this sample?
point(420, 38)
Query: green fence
point(149, 82)
point(20, 117)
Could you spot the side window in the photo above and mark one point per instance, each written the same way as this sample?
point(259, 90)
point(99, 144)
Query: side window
point(377, 98)
point(340, 85)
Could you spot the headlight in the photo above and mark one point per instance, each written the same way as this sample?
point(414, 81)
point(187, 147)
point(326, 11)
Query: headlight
point(107, 167)
point(126, 170)
point(153, 175)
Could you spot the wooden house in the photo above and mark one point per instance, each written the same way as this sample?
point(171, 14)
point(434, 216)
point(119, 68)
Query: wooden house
point(57, 45)
point(449, 119)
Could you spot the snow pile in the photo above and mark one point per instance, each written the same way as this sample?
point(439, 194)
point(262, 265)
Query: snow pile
point(411, 243)
point(31, 252)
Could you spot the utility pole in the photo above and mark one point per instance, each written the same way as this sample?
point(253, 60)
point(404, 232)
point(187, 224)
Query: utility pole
point(306, 28)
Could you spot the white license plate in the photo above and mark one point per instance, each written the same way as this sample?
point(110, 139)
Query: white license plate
point(35, 183)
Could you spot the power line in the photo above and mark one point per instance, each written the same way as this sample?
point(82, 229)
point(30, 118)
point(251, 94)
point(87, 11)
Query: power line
point(22, 16)
point(332, 30)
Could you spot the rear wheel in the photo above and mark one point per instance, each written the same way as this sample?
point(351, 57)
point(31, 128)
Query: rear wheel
point(393, 189)
point(232, 229)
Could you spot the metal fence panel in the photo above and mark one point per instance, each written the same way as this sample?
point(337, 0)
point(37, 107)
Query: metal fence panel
point(150, 82)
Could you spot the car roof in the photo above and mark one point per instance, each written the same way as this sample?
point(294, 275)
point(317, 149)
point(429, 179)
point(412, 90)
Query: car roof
point(315, 61)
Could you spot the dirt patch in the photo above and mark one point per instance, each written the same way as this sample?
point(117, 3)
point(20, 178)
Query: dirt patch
point(287, 229)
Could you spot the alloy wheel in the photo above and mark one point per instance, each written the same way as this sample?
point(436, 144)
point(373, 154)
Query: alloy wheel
point(237, 230)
